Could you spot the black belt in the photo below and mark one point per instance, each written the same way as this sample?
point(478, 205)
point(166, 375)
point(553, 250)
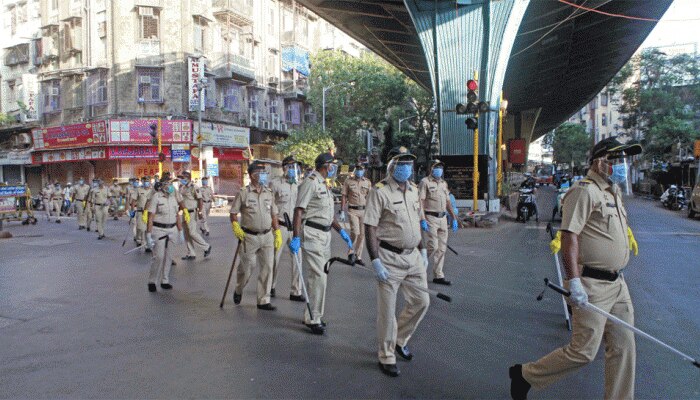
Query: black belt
point(80, 199)
point(139, 210)
point(318, 226)
point(164, 226)
point(190, 210)
point(282, 223)
point(356, 207)
point(600, 274)
point(252, 232)
point(397, 250)
point(206, 201)
point(98, 204)
point(436, 214)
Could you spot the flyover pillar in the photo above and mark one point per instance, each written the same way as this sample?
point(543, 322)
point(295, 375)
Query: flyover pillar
point(461, 38)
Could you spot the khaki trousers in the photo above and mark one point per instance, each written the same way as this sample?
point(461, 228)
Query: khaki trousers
point(100, 218)
point(162, 254)
point(436, 242)
point(81, 211)
point(357, 230)
point(204, 222)
point(56, 205)
point(390, 332)
point(193, 237)
point(140, 235)
point(588, 331)
point(89, 215)
point(257, 250)
point(296, 278)
point(317, 251)
point(48, 207)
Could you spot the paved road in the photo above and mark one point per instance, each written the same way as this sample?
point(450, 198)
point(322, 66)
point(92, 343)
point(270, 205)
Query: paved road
point(76, 320)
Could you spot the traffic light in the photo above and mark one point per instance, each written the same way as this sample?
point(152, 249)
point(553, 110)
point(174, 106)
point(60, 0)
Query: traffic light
point(154, 134)
point(161, 157)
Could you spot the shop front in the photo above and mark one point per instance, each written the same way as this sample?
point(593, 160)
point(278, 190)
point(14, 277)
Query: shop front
point(223, 156)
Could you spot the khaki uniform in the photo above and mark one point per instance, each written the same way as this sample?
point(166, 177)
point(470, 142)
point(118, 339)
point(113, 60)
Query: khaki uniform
point(163, 209)
point(594, 211)
point(435, 195)
point(90, 208)
point(141, 197)
point(397, 217)
point(46, 194)
point(100, 201)
point(56, 201)
point(317, 201)
point(257, 211)
point(355, 191)
point(80, 196)
point(207, 199)
point(115, 194)
point(190, 196)
point(286, 194)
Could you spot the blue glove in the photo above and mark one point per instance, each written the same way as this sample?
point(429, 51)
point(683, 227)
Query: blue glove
point(132, 214)
point(295, 245)
point(382, 273)
point(455, 225)
point(424, 225)
point(346, 237)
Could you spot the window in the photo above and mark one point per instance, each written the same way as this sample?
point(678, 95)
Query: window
point(149, 85)
point(13, 19)
point(18, 54)
point(21, 13)
point(51, 96)
point(75, 83)
point(253, 102)
point(604, 120)
point(272, 69)
point(13, 88)
point(97, 87)
point(149, 23)
point(54, 5)
point(200, 26)
point(271, 22)
point(604, 99)
point(232, 93)
point(210, 94)
point(273, 104)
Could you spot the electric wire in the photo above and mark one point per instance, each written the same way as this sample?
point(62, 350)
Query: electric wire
point(631, 17)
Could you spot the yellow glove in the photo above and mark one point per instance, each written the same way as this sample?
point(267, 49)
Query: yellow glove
point(633, 242)
point(278, 239)
point(144, 216)
point(237, 230)
point(555, 244)
point(84, 203)
point(186, 214)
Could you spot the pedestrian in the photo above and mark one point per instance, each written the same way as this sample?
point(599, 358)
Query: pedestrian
point(90, 210)
point(285, 189)
point(101, 200)
point(67, 204)
point(79, 197)
point(435, 198)
point(192, 201)
point(392, 222)
point(46, 194)
point(314, 218)
point(115, 196)
point(207, 199)
point(595, 243)
point(354, 200)
point(163, 228)
point(258, 232)
point(138, 204)
point(57, 201)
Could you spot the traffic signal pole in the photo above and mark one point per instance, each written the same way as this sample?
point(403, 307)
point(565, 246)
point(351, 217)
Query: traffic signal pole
point(499, 165)
point(475, 173)
point(160, 147)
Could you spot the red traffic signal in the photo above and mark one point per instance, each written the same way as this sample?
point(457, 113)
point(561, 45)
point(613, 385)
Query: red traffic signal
point(472, 85)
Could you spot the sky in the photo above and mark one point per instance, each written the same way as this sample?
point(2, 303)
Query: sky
point(669, 32)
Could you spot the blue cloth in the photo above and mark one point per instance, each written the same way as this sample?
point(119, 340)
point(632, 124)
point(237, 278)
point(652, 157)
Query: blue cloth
point(455, 225)
point(295, 245)
point(295, 58)
point(424, 225)
point(346, 237)
point(132, 214)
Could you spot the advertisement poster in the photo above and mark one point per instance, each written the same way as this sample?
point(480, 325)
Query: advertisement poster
point(138, 131)
point(76, 135)
point(459, 175)
point(30, 90)
point(225, 135)
point(516, 151)
point(45, 157)
point(180, 155)
point(129, 152)
point(146, 168)
point(213, 167)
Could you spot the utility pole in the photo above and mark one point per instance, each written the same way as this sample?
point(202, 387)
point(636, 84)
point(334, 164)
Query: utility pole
point(201, 86)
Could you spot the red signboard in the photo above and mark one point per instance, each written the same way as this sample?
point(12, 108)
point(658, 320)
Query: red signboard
point(228, 154)
point(516, 151)
point(69, 155)
point(135, 152)
point(68, 136)
point(138, 131)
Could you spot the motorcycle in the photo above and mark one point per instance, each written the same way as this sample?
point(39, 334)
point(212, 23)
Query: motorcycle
point(563, 188)
point(526, 205)
point(674, 198)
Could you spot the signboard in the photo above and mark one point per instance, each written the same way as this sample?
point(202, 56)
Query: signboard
point(180, 155)
point(56, 156)
point(67, 136)
point(213, 167)
point(229, 154)
point(223, 135)
point(8, 197)
point(149, 167)
point(516, 151)
point(30, 90)
point(7, 205)
point(459, 173)
point(138, 131)
point(15, 158)
point(195, 72)
point(130, 152)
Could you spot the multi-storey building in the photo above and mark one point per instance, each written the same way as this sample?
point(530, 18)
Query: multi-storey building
point(107, 70)
point(601, 115)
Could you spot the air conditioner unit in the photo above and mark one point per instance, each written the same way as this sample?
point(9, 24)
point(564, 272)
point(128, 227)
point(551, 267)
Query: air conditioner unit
point(146, 11)
point(54, 91)
point(145, 80)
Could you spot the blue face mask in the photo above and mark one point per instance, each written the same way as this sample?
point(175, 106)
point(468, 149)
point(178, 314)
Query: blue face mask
point(81, 181)
point(437, 173)
point(402, 172)
point(183, 182)
point(360, 173)
point(146, 184)
point(332, 169)
point(205, 182)
point(262, 178)
point(619, 173)
point(171, 189)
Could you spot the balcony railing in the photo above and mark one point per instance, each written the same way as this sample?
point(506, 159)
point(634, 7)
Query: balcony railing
point(232, 65)
point(240, 11)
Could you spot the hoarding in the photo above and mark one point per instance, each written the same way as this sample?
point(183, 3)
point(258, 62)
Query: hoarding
point(223, 135)
point(138, 131)
point(67, 136)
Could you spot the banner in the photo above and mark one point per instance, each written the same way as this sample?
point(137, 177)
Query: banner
point(195, 72)
point(30, 90)
point(56, 156)
point(180, 155)
point(146, 168)
point(15, 158)
point(223, 135)
point(229, 154)
point(77, 135)
point(213, 167)
point(131, 152)
point(138, 131)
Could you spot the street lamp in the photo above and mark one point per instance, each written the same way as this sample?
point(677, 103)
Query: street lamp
point(201, 86)
point(323, 102)
point(404, 119)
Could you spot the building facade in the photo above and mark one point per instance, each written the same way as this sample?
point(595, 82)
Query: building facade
point(601, 115)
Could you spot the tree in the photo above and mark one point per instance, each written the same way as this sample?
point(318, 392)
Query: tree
point(306, 144)
point(419, 135)
point(570, 143)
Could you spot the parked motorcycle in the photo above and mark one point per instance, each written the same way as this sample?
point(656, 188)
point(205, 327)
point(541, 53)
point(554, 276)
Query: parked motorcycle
point(527, 207)
point(674, 198)
point(563, 188)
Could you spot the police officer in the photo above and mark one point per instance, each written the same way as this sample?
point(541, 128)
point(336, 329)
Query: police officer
point(79, 197)
point(314, 218)
point(57, 200)
point(138, 205)
point(101, 198)
point(46, 194)
point(595, 244)
point(435, 197)
point(258, 232)
point(115, 194)
point(354, 199)
point(285, 189)
point(207, 199)
point(392, 223)
point(164, 227)
point(90, 208)
point(192, 201)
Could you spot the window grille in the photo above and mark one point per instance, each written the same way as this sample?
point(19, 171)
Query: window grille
point(149, 85)
point(51, 91)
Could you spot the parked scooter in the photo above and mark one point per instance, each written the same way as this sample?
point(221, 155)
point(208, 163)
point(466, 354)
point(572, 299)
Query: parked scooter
point(563, 188)
point(527, 207)
point(674, 198)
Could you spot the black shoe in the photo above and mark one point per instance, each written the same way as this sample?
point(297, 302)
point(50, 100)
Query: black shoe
point(207, 233)
point(317, 329)
point(237, 298)
point(266, 306)
point(272, 292)
point(299, 298)
point(58, 221)
point(100, 237)
point(389, 369)
point(404, 352)
point(173, 263)
point(148, 250)
point(88, 229)
point(442, 281)
point(80, 228)
point(518, 385)
point(151, 287)
point(189, 257)
point(166, 286)
point(207, 251)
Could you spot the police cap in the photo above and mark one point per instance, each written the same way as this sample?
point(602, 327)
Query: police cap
point(324, 158)
point(612, 148)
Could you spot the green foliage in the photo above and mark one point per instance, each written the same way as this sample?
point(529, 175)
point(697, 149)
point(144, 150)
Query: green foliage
point(6, 119)
point(306, 144)
point(570, 142)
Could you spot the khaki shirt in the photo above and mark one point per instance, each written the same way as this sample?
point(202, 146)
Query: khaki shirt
point(46, 193)
point(434, 193)
point(285, 196)
point(57, 194)
point(115, 190)
point(141, 197)
point(207, 194)
point(190, 195)
point(81, 192)
point(593, 210)
point(101, 196)
point(316, 199)
point(163, 208)
point(257, 209)
point(356, 190)
point(395, 213)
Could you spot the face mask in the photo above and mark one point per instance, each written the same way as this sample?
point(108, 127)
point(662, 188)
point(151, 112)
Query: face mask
point(136, 184)
point(81, 181)
point(332, 169)
point(262, 178)
point(171, 189)
point(360, 173)
point(619, 173)
point(183, 182)
point(205, 183)
point(437, 173)
point(402, 172)
point(94, 184)
point(147, 184)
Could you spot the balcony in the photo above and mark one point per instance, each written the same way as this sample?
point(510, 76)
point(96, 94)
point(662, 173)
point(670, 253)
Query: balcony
point(292, 89)
point(233, 66)
point(238, 11)
point(291, 38)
